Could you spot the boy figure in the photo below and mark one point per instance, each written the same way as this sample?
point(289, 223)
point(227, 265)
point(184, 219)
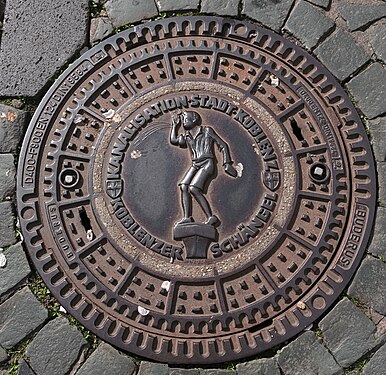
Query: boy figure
point(200, 139)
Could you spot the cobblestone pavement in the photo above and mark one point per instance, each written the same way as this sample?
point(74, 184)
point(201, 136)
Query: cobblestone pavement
point(39, 37)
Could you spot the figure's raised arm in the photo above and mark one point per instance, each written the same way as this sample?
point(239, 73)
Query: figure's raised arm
point(175, 139)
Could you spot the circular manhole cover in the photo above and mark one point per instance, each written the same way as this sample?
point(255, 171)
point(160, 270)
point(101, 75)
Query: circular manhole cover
point(196, 190)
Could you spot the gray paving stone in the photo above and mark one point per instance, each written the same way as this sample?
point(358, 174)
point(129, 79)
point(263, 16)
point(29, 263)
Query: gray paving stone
point(378, 134)
point(271, 13)
point(184, 371)
point(376, 365)
point(378, 243)
point(306, 355)
point(308, 23)
point(361, 15)
point(19, 316)
point(171, 5)
point(216, 372)
point(24, 368)
point(265, 366)
point(152, 368)
point(16, 269)
point(381, 169)
point(322, 3)
point(57, 336)
point(107, 360)
point(341, 55)
point(3, 355)
point(221, 7)
point(122, 12)
point(7, 176)
point(100, 29)
point(7, 230)
point(377, 38)
point(369, 284)
point(26, 61)
point(12, 125)
point(368, 90)
point(348, 333)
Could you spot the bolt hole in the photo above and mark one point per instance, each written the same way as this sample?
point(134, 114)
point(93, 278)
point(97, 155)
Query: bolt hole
point(296, 130)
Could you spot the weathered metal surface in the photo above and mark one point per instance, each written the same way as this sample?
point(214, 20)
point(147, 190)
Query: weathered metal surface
point(196, 190)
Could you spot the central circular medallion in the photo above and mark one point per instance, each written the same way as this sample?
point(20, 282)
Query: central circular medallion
point(196, 190)
point(209, 177)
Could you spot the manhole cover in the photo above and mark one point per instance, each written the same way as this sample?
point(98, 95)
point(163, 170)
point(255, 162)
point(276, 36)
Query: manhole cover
point(196, 190)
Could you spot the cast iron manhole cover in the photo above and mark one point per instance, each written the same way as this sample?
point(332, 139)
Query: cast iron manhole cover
point(196, 190)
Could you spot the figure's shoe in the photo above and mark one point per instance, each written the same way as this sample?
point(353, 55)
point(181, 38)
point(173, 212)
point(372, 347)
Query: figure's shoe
point(212, 220)
point(185, 220)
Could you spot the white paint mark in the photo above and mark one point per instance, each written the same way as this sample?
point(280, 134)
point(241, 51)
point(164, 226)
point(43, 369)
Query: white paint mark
point(275, 82)
point(239, 169)
point(255, 149)
point(3, 260)
point(78, 119)
point(143, 311)
point(3, 116)
point(135, 154)
point(166, 285)
point(117, 117)
point(62, 310)
point(90, 234)
point(109, 114)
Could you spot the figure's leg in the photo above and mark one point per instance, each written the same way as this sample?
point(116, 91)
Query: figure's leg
point(186, 200)
point(201, 200)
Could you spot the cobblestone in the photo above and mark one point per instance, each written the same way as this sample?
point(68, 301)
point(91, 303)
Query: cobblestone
point(171, 5)
point(306, 355)
point(152, 368)
point(3, 355)
point(377, 37)
point(19, 316)
point(122, 12)
point(107, 360)
point(16, 269)
point(381, 168)
point(341, 55)
point(183, 371)
point(361, 15)
point(26, 62)
point(7, 176)
point(7, 230)
point(24, 368)
point(100, 29)
point(369, 284)
point(348, 333)
point(322, 3)
point(271, 13)
point(378, 137)
point(12, 125)
point(368, 90)
point(221, 7)
point(376, 365)
point(57, 336)
point(308, 23)
point(378, 243)
point(265, 366)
